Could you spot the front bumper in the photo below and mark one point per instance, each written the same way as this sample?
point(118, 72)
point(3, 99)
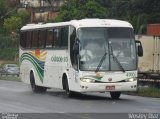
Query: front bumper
point(101, 87)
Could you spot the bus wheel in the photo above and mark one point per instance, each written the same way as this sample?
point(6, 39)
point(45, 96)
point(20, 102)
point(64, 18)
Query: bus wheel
point(115, 95)
point(66, 88)
point(35, 88)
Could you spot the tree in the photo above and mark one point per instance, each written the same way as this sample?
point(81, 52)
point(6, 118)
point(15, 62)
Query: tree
point(2, 8)
point(94, 10)
point(79, 9)
point(12, 24)
point(139, 23)
point(138, 12)
point(24, 15)
point(149, 7)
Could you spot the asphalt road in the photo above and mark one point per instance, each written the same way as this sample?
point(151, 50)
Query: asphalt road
point(17, 97)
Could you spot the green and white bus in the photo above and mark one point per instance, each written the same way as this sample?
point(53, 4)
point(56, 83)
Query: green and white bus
point(54, 55)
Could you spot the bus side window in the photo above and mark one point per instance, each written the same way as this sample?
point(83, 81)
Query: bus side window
point(29, 39)
point(23, 39)
point(42, 37)
point(35, 39)
point(64, 37)
point(49, 41)
point(56, 38)
point(74, 57)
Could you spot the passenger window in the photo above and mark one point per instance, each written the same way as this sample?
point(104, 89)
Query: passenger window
point(42, 38)
point(29, 39)
point(35, 38)
point(49, 41)
point(23, 39)
point(56, 38)
point(64, 37)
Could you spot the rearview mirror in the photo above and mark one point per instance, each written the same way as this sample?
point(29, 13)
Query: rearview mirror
point(76, 46)
point(140, 48)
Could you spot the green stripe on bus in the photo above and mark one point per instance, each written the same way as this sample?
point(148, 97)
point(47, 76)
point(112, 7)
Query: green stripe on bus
point(38, 68)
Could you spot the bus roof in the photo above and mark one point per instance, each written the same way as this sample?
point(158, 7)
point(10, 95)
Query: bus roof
point(81, 23)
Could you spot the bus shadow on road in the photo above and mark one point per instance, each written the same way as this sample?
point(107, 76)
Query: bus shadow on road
point(84, 96)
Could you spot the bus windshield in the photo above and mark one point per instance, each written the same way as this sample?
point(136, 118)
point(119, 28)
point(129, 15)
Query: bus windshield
point(100, 46)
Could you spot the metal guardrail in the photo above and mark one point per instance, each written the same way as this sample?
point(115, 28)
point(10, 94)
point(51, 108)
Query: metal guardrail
point(149, 82)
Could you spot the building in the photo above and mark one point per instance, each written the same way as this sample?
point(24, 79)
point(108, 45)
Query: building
point(41, 10)
point(12, 3)
point(43, 3)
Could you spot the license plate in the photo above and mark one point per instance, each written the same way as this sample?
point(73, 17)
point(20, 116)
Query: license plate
point(110, 87)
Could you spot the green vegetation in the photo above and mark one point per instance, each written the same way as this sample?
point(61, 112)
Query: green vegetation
point(15, 21)
point(23, 15)
point(8, 47)
point(10, 78)
point(79, 9)
point(138, 12)
point(2, 8)
point(149, 92)
point(10, 24)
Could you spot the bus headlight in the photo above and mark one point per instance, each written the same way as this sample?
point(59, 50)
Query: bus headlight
point(87, 80)
point(131, 79)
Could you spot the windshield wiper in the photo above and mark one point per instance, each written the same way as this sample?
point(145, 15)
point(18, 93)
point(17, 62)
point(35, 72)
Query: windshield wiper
point(115, 59)
point(101, 62)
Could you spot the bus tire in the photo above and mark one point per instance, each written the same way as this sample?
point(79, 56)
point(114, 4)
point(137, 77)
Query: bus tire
point(66, 87)
point(35, 88)
point(115, 95)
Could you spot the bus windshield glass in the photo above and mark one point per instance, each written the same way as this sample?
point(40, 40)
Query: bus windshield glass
point(100, 46)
